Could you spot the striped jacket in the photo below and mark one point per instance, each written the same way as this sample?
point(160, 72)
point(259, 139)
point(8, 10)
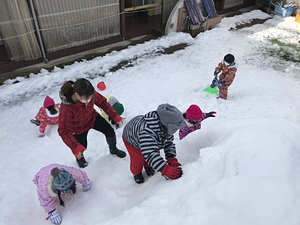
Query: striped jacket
point(145, 132)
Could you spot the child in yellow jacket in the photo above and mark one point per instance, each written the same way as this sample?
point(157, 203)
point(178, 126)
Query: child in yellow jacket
point(117, 106)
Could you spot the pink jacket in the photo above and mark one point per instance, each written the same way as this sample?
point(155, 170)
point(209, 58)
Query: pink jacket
point(184, 131)
point(46, 118)
point(43, 181)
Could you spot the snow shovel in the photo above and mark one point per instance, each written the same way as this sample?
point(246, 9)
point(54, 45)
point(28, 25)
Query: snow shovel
point(211, 90)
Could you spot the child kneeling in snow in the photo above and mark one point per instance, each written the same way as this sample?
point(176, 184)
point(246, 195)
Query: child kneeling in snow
point(47, 115)
point(117, 106)
point(55, 180)
point(193, 117)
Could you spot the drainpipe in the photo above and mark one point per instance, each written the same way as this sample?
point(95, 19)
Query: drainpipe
point(36, 25)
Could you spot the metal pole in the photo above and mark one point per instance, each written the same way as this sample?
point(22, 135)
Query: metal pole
point(38, 31)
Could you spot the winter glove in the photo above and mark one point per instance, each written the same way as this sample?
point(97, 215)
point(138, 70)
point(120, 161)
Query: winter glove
point(215, 81)
point(41, 135)
point(120, 123)
point(173, 162)
point(210, 114)
point(36, 122)
point(216, 73)
point(87, 185)
point(54, 216)
point(221, 83)
point(114, 124)
point(171, 172)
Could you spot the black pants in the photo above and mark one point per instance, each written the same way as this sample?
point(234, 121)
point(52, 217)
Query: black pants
point(100, 125)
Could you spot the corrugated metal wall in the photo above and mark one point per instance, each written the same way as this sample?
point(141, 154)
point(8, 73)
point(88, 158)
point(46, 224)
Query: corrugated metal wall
point(69, 23)
point(17, 31)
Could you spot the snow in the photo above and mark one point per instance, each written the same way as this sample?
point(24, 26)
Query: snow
point(242, 167)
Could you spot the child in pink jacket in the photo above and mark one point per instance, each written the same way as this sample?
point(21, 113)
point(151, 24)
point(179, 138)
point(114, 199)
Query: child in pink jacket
point(47, 115)
point(193, 118)
point(55, 180)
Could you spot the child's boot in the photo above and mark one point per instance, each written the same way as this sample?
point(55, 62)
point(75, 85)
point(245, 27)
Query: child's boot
point(149, 171)
point(36, 122)
point(138, 178)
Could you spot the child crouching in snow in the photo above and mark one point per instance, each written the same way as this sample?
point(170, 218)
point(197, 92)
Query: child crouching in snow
point(47, 115)
point(55, 180)
point(193, 116)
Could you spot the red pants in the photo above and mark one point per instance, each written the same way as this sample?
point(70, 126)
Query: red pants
point(137, 160)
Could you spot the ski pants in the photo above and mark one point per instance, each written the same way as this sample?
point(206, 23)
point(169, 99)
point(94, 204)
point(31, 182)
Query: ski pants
point(100, 125)
point(137, 160)
point(223, 92)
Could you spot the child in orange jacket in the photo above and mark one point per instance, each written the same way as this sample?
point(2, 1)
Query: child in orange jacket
point(227, 71)
point(47, 115)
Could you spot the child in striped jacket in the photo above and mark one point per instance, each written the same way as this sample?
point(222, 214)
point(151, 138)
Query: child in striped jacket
point(145, 135)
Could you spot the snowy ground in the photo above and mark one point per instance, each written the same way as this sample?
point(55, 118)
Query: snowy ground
point(242, 167)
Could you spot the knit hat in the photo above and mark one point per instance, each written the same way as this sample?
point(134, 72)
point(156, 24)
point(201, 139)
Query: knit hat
point(170, 117)
point(229, 58)
point(48, 101)
point(193, 113)
point(119, 108)
point(62, 179)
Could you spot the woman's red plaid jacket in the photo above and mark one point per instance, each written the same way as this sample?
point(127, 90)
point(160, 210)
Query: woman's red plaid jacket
point(74, 119)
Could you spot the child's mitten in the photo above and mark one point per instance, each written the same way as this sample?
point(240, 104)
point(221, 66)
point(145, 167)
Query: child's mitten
point(215, 82)
point(171, 172)
point(87, 185)
point(55, 217)
point(221, 83)
point(210, 114)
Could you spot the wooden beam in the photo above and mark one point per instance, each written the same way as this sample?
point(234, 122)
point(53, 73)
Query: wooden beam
point(142, 7)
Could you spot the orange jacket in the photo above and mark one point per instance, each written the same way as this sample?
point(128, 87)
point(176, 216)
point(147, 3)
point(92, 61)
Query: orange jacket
point(227, 73)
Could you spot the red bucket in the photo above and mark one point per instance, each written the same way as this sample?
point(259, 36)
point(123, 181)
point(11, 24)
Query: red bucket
point(101, 86)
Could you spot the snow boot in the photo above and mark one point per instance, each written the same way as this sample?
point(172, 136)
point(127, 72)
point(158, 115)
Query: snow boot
point(81, 162)
point(112, 143)
point(138, 178)
point(36, 122)
point(149, 171)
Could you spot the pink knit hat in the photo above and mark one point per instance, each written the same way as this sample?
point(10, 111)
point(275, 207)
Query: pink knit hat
point(48, 101)
point(193, 113)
